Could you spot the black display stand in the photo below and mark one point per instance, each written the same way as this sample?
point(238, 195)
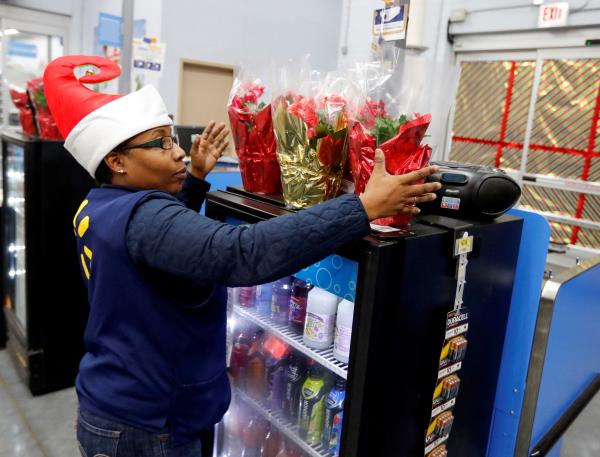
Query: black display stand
point(44, 298)
point(405, 287)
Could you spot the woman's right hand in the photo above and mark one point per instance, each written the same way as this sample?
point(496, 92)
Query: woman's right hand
point(386, 195)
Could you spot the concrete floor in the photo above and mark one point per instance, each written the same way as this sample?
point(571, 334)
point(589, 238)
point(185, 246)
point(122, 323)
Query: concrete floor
point(44, 426)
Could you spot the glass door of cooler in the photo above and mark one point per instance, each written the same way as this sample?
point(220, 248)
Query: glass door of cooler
point(15, 298)
point(288, 349)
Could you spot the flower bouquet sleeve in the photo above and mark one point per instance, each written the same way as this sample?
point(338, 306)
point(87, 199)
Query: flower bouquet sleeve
point(373, 126)
point(253, 137)
point(46, 124)
point(311, 128)
point(21, 101)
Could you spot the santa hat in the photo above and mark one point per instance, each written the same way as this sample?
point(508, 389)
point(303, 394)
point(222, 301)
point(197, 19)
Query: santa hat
point(92, 123)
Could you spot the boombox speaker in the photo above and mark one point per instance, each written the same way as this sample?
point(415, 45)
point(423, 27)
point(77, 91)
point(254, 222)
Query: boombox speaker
point(471, 191)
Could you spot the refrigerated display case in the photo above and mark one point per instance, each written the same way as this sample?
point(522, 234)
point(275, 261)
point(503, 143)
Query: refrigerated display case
point(2, 319)
point(413, 384)
point(44, 298)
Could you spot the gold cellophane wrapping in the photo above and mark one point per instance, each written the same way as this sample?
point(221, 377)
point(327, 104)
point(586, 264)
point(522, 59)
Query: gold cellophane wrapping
point(309, 175)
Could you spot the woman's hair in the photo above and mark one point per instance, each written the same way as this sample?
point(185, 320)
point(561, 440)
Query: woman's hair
point(104, 174)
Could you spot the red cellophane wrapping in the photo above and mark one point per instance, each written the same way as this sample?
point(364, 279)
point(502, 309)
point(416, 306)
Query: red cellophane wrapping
point(45, 121)
point(21, 101)
point(252, 130)
point(403, 154)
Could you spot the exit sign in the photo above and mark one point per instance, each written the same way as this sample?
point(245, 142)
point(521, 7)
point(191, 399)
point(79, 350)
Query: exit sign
point(553, 15)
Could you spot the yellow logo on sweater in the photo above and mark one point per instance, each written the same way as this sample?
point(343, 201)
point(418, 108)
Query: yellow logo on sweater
point(80, 227)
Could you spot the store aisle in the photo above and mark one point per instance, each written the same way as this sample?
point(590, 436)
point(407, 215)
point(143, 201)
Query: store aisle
point(43, 426)
point(34, 426)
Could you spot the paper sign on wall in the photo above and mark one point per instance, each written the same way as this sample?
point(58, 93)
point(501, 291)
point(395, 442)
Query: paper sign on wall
point(553, 15)
point(390, 23)
point(148, 62)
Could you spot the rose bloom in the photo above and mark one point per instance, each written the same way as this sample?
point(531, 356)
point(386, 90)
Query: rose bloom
point(305, 110)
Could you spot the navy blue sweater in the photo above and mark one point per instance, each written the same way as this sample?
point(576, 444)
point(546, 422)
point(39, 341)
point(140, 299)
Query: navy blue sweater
point(155, 271)
point(166, 236)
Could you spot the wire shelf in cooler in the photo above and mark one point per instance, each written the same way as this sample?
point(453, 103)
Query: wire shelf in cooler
point(323, 357)
point(287, 428)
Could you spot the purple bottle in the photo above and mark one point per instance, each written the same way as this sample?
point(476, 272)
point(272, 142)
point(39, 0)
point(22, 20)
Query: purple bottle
point(247, 297)
point(276, 382)
point(298, 301)
point(280, 304)
point(295, 375)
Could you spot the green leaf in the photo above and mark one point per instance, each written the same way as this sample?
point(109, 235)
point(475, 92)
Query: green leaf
point(321, 130)
point(340, 133)
point(40, 97)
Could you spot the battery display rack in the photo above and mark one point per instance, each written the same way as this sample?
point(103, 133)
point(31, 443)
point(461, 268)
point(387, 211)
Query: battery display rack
point(451, 359)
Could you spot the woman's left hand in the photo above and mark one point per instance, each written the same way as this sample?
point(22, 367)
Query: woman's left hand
point(207, 148)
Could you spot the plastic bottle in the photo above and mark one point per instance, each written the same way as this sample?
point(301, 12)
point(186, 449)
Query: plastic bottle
point(247, 297)
point(275, 352)
point(264, 298)
point(320, 318)
point(280, 304)
point(242, 342)
point(343, 331)
point(289, 450)
point(233, 294)
point(295, 375)
point(254, 434)
point(271, 444)
point(297, 314)
point(312, 406)
point(236, 420)
point(334, 407)
point(233, 420)
point(255, 372)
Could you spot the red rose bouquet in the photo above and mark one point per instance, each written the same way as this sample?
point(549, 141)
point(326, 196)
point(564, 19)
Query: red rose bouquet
point(46, 124)
point(21, 101)
point(311, 146)
point(399, 139)
point(311, 124)
point(252, 130)
point(373, 126)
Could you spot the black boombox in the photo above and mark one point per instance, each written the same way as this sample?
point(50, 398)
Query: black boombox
point(471, 191)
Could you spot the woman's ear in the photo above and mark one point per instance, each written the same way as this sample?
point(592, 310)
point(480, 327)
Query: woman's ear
point(114, 161)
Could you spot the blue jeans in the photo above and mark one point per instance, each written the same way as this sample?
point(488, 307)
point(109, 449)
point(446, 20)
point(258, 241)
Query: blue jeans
point(100, 437)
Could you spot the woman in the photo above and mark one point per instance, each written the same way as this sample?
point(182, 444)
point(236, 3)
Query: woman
point(153, 377)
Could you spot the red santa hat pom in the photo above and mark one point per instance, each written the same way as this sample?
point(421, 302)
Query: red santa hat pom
point(94, 123)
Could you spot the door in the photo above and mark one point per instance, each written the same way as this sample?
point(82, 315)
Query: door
point(535, 114)
point(203, 93)
point(28, 41)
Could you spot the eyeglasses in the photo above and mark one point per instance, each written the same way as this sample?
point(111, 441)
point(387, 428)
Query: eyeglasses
point(166, 142)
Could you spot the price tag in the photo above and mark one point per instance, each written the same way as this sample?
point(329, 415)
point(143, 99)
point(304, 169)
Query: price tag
point(463, 245)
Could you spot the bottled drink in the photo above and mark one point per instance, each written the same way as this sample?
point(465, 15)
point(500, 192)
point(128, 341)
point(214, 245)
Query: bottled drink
point(264, 298)
point(334, 407)
point(280, 303)
point(255, 377)
point(275, 352)
point(312, 407)
point(271, 444)
point(253, 436)
point(247, 297)
point(233, 294)
point(236, 420)
point(289, 450)
point(320, 319)
point(242, 342)
point(297, 314)
point(233, 420)
point(295, 375)
point(343, 331)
